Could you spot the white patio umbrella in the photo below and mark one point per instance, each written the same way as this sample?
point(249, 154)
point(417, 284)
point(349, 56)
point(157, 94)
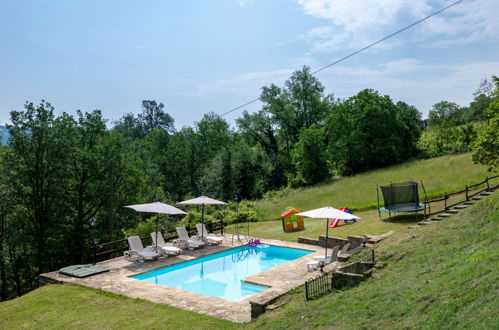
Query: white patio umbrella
point(202, 200)
point(156, 207)
point(327, 213)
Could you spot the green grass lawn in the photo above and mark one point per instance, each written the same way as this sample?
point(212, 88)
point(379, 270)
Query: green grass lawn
point(439, 175)
point(68, 306)
point(370, 224)
point(442, 276)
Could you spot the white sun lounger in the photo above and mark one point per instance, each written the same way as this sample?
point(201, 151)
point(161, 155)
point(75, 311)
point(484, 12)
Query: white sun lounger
point(137, 249)
point(321, 261)
point(167, 248)
point(209, 237)
point(184, 239)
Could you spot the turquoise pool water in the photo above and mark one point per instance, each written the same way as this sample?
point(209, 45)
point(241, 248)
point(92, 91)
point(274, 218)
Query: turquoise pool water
point(221, 274)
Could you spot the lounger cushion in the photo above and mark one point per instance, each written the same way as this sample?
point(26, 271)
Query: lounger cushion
point(81, 271)
point(148, 254)
point(194, 242)
point(214, 238)
point(171, 249)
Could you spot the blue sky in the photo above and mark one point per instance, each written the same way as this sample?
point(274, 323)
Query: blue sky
point(198, 56)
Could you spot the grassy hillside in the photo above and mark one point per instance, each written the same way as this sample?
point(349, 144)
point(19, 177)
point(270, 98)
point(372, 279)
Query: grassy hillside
point(440, 276)
point(439, 175)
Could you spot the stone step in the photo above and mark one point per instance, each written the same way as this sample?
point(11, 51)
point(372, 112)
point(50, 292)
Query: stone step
point(452, 211)
point(460, 207)
point(471, 202)
point(423, 223)
point(478, 198)
point(445, 215)
point(437, 219)
point(487, 193)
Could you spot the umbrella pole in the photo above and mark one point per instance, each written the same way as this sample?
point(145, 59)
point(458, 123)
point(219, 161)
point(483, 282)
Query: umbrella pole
point(327, 240)
point(202, 221)
point(157, 221)
point(327, 236)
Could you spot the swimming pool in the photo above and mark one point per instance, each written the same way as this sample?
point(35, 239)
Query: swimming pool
point(221, 274)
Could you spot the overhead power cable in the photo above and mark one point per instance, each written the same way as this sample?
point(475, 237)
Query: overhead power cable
point(356, 52)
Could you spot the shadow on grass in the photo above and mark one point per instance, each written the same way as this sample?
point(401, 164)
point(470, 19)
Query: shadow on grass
point(406, 218)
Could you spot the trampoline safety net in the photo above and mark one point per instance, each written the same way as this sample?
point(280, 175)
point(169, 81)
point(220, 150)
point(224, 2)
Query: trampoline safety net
point(399, 195)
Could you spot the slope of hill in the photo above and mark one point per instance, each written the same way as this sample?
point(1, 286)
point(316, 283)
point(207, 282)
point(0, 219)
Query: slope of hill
point(440, 276)
point(439, 175)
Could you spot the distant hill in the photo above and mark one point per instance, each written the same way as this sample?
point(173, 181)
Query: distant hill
point(4, 134)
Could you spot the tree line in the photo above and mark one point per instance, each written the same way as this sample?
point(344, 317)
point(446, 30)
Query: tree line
point(58, 171)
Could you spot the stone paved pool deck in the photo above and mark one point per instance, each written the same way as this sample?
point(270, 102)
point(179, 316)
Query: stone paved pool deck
point(280, 280)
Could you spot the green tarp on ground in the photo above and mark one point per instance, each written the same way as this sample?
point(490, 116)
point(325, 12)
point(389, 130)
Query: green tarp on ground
point(81, 271)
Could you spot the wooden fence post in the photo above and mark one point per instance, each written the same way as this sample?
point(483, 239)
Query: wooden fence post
point(488, 185)
point(222, 226)
point(445, 201)
point(467, 193)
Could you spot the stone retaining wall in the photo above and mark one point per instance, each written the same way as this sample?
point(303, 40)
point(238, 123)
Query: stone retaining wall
point(332, 241)
point(351, 274)
point(306, 240)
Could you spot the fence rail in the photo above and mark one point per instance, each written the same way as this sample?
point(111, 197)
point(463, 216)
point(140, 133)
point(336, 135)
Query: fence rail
point(168, 235)
point(466, 191)
point(319, 286)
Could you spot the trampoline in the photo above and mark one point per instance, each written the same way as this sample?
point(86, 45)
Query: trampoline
point(400, 197)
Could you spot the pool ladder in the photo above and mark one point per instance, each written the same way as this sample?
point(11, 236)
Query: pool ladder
point(241, 238)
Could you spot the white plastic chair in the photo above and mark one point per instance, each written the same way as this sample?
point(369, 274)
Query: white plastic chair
point(209, 237)
point(323, 261)
point(137, 249)
point(184, 238)
point(167, 248)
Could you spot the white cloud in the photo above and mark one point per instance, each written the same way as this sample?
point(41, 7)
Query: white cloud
point(356, 23)
point(411, 81)
point(247, 84)
point(468, 22)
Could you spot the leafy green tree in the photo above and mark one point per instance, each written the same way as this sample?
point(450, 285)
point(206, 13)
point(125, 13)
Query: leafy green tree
point(39, 164)
point(309, 156)
point(444, 112)
point(214, 133)
point(478, 107)
point(411, 118)
point(5, 208)
point(257, 129)
point(89, 163)
point(125, 184)
point(298, 105)
point(251, 170)
point(486, 147)
point(130, 126)
point(444, 140)
point(306, 94)
point(364, 132)
point(154, 116)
